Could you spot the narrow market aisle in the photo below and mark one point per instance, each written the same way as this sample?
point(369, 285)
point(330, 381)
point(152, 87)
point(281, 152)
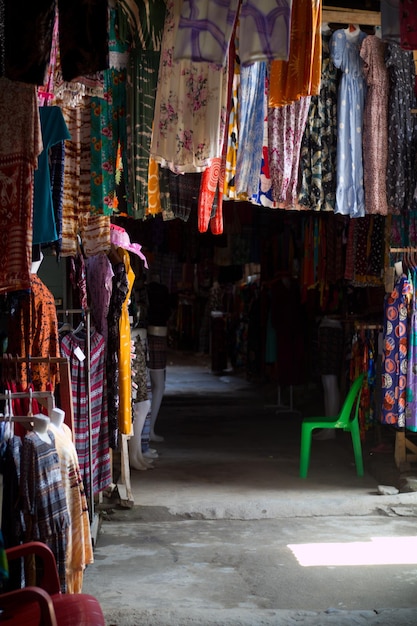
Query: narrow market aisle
point(228, 453)
point(215, 534)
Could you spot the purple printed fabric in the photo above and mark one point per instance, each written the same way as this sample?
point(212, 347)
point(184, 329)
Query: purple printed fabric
point(264, 30)
point(205, 30)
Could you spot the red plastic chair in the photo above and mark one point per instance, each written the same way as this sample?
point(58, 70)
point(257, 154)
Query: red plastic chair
point(44, 604)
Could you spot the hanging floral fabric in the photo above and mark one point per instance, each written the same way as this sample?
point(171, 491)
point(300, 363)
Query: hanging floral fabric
point(318, 147)
point(190, 107)
point(286, 127)
point(402, 128)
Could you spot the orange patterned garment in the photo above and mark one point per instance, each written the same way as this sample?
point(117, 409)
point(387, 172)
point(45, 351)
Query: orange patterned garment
point(300, 75)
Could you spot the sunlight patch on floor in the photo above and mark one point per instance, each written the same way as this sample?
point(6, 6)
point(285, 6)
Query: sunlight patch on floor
point(376, 551)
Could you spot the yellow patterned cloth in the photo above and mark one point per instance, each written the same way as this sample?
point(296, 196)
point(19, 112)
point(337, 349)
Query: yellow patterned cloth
point(300, 75)
point(125, 374)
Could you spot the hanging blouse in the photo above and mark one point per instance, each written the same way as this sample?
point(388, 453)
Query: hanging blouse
point(33, 331)
point(54, 130)
point(300, 75)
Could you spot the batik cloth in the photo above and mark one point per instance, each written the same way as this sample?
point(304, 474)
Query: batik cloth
point(20, 145)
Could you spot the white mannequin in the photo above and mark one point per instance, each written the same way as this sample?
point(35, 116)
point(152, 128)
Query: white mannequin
point(40, 427)
point(136, 459)
point(159, 311)
point(36, 265)
point(57, 418)
point(158, 389)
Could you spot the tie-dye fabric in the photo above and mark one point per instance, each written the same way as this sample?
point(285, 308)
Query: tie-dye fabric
point(205, 30)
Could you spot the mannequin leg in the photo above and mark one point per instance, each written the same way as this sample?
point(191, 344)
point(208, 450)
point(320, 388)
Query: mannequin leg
point(158, 388)
point(331, 404)
point(136, 459)
point(331, 394)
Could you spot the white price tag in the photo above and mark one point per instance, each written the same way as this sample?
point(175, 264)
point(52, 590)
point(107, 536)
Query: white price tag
point(79, 353)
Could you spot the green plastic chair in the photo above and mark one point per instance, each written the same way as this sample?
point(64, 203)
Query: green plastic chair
point(346, 420)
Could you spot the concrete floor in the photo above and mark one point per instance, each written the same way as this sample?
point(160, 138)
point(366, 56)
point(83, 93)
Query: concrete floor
point(217, 529)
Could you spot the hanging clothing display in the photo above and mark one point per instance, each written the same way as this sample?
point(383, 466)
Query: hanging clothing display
point(250, 119)
point(190, 107)
point(108, 128)
point(318, 146)
point(99, 284)
point(125, 374)
point(402, 128)
point(394, 356)
point(345, 53)
point(33, 331)
point(73, 347)
point(82, 38)
point(300, 75)
point(286, 125)
point(54, 131)
point(375, 125)
point(408, 24)
point(265, 30)
point(43, 498)
point(79, 552)
point(20, 146)
point(120, 288)
point(145, 23)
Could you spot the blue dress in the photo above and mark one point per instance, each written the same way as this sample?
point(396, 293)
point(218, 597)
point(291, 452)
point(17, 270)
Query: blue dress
point(344, 50)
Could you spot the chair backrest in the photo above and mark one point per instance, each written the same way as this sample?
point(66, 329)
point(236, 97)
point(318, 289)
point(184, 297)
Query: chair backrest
point(346, 415)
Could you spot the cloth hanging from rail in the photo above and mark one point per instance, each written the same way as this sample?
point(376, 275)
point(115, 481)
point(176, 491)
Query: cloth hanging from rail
point(72, 346)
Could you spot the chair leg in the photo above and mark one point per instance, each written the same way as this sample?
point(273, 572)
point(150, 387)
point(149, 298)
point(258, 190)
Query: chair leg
point(357, 448)
point(306, 432)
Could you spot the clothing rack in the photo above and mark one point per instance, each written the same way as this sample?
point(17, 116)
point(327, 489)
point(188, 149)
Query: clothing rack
point(85, 313)
point(64, 380)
